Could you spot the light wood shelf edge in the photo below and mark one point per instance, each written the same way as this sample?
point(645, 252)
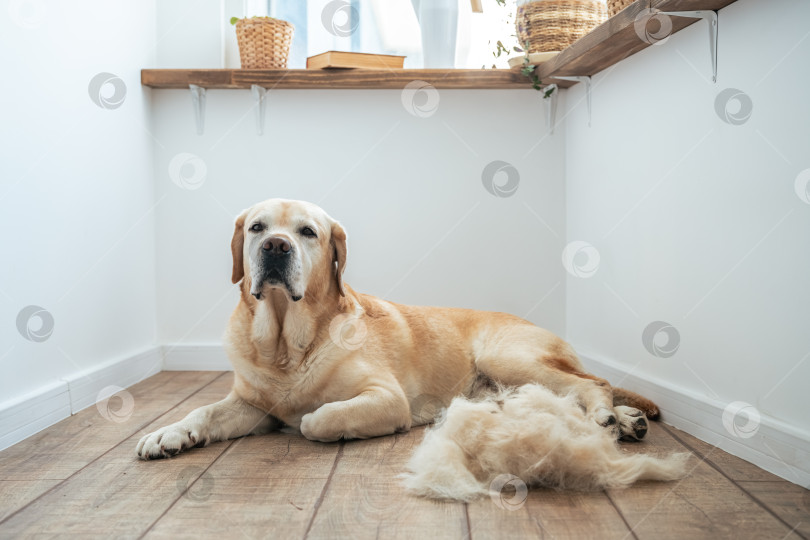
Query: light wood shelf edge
point(616, 39)
point(347, 79)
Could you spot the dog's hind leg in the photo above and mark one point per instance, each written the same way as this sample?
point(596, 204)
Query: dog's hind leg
point(631, 399)
point(524, 354)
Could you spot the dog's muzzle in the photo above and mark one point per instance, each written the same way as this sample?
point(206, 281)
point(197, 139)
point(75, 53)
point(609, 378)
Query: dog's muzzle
point(276, 261)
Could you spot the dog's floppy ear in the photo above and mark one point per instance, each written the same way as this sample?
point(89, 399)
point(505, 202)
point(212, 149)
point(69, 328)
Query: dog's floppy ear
point(237, 244)
point(338, 244)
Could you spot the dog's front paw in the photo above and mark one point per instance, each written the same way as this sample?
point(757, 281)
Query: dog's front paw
point(168, 441)
point(315, 428)
point(632, 423)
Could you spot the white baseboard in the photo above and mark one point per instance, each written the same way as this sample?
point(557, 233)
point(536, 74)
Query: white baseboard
point(30, 413)
point(26, 415)
point(775, 447)
point(85, 386)
point(207, 357)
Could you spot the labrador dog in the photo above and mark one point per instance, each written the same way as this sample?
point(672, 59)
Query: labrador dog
point(311, 353)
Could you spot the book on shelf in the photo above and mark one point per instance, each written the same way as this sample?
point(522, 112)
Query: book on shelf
point(342, 59)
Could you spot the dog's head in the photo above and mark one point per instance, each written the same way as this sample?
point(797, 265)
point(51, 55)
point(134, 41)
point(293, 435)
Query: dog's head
point(289, 245)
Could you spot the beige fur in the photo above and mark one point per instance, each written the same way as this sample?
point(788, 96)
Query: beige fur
point(529, 432)
point(311, 353)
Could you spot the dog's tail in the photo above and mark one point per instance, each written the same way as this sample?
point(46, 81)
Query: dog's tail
point(631, 399)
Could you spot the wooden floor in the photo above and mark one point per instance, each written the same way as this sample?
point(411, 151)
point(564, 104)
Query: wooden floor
point(81, 477)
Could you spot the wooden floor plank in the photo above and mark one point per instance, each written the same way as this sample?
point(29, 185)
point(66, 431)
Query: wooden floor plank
point(82, 477)
point(40, 462)
point(119, 495)
point(548, 513)
point(705, 504)
point(14, 494)
point(788, 501)
point(262, 487)
point(366, 499)
point(735, 468)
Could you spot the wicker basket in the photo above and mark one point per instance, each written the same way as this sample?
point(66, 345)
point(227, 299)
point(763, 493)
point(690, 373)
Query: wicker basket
point(615, 6)
point(553, 25)
point(264, 43)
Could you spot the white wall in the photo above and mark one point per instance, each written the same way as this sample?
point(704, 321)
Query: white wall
point(422, 228)
point(697, 221)
point(76, 189)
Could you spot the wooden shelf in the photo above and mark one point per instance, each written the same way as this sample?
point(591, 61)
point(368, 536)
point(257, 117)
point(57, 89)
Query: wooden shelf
point(616, 39)
point(348, 79)
point(608, 44)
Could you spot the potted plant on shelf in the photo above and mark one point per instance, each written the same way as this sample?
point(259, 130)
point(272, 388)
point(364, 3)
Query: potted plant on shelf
point(546, 27)
point(264, 42)
point(549, 26)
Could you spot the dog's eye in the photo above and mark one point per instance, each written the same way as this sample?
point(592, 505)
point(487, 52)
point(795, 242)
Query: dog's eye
point(307, 231)
point(257, 227)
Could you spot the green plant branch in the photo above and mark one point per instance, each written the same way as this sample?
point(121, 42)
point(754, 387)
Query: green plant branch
point(528, 69)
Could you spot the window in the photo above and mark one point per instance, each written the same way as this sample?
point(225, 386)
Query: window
point(390, 27)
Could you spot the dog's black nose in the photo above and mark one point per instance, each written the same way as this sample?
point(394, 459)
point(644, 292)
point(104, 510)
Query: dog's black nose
point(276, 245)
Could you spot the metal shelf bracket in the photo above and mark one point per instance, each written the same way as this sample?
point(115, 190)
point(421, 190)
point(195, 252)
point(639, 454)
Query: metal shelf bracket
point(198, 102)
point(259, 94)
point(583, 79)
point(550, 104)
point(710, 17)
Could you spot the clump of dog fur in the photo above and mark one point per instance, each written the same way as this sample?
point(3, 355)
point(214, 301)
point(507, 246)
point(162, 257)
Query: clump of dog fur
point(544, 439)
